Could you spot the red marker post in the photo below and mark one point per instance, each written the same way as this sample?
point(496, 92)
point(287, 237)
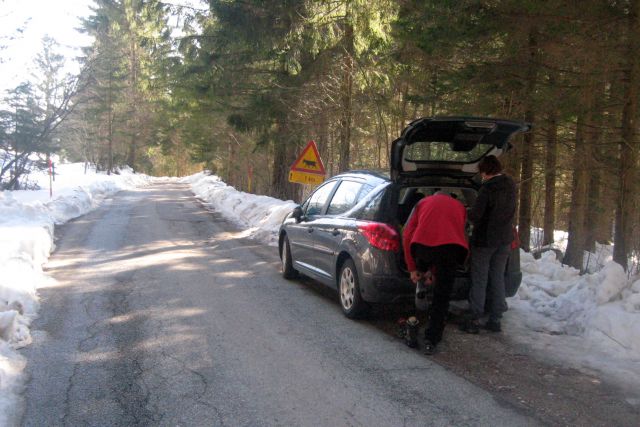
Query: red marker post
point(50, 177)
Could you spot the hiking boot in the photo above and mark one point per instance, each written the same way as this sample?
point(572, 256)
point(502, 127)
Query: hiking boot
point(493, 326)
point(429, 348)
point(470, 327)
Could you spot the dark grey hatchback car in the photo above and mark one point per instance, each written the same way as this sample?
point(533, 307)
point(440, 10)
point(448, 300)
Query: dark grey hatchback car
point(347, 233)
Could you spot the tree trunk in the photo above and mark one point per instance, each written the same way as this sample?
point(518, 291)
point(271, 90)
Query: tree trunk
point(595, 210)
point(579, 197)
point(136, 123)
point(550, 166)
point(322, 130)
point(434, 91)
point(347, 94)
point(526, 171)
point(279, 179)
point(596, 206)
point(232, 161)
point(404, 104)
point(283, 157)
point(628, 147)
point(110, 124)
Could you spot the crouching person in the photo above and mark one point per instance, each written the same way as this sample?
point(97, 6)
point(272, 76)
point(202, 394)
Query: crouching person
point(435, 237)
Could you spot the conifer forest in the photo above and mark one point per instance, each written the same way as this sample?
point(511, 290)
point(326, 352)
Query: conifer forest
point(239, 87)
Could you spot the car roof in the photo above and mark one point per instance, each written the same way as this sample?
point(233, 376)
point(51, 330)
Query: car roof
point(369, 175)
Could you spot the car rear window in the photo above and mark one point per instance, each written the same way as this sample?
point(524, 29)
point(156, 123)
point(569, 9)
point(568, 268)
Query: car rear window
point(435, 151)
point(371, 210)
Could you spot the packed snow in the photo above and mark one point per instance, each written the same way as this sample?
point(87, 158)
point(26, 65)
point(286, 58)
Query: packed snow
point(589, 321)
point(259, 216)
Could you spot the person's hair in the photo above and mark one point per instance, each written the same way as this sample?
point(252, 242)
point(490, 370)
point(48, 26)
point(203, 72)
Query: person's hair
point(490, 165)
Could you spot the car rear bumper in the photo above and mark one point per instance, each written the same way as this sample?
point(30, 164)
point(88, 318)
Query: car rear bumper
point(386, 289)
point(392, 289)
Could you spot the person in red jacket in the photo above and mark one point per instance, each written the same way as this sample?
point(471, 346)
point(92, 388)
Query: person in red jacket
point(434, 238)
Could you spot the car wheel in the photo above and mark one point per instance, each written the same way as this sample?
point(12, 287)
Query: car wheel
point(288, 272)
point(353, 306)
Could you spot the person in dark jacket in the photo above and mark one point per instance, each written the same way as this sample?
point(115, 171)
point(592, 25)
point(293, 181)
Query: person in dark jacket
point(434, 237)
point(492, 219)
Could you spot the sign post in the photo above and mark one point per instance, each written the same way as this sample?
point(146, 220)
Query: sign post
point(308, 167)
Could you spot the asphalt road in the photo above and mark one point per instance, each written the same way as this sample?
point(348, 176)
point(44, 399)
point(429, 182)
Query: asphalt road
point(162, 315)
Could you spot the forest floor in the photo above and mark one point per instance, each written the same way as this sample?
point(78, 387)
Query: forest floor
point(524, 379)
point(516, 375)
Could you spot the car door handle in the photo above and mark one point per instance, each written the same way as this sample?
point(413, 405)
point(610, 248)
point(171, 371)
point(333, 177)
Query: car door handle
point(310, 230)
point(335, 232)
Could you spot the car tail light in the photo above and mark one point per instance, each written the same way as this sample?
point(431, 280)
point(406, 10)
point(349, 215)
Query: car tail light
point(381, 236)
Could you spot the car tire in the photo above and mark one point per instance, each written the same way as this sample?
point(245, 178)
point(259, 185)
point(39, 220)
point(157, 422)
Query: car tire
point(353, 306)
point(288, 272)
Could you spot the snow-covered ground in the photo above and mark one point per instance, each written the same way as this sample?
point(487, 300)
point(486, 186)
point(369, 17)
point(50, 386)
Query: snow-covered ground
point(590, 321)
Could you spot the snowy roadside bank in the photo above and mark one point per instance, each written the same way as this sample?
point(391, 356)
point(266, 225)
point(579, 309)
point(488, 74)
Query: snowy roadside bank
point(590, 321)
point(27, 222)
point(259, 216)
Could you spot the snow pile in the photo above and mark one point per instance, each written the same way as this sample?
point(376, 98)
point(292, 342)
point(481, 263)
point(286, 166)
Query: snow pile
point(592, 261)
point(260, 215)
point(12, 365)
point(602, 308)
point(27, 221)
point(560, 239)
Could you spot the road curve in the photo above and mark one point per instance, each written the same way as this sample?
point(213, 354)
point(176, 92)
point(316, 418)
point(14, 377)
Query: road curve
point(163, 315)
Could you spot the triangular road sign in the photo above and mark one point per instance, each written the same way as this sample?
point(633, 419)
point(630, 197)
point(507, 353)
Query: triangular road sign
point(309, 161)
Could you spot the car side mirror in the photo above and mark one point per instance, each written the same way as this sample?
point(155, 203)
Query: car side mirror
point(297, 213)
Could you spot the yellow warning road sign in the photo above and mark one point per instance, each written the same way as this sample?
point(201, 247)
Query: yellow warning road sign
point(308, 167)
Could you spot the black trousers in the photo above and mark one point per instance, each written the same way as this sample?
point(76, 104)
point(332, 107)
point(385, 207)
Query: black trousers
point(445, 259)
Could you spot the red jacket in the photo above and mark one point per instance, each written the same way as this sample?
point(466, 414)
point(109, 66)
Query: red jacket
point(436, 220)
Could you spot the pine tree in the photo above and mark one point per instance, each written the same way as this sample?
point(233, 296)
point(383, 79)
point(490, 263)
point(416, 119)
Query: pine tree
point(627, 175)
